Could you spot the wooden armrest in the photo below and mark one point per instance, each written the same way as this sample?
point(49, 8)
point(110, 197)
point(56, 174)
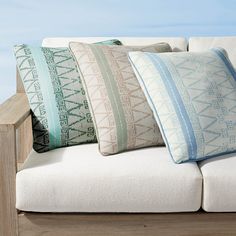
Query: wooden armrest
point(15, 117)
point(14, 133)
point(14, 111)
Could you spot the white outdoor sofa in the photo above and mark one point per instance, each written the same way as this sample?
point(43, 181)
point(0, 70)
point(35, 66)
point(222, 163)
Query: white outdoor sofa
point(77, 191)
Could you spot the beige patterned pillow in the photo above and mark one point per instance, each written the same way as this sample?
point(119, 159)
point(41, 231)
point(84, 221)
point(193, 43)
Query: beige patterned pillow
point(121, 114)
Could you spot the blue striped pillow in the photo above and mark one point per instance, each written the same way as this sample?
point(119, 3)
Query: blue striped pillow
point(193, 97)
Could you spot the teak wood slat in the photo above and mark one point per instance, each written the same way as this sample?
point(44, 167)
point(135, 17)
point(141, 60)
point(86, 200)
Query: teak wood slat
point(14, 111)
point(24, 140)
point(8, 213)
point(172, 224)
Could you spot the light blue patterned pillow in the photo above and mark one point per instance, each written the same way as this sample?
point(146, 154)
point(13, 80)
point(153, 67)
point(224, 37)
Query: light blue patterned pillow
point(193, 97)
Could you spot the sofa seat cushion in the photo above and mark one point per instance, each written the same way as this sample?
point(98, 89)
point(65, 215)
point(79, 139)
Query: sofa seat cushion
point(80, 179)
point(219, 184)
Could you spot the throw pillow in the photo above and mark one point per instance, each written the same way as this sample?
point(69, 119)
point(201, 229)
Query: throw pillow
point(122, 117)
point(193, 97)
point(60, 113)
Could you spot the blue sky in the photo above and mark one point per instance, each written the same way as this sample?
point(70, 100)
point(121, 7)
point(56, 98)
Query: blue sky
point(29, 21)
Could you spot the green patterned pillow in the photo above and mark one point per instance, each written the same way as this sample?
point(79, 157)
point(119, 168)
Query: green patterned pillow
point(60, 113)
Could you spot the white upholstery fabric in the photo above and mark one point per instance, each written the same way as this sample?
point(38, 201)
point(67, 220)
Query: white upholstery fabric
point(219, 188)
point(79, 179)
point(219, 184)
point(197, 44)
point(177, 44)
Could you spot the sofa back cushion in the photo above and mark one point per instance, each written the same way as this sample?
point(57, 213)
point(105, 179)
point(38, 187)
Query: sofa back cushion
point(176, 43)
point(198, 44)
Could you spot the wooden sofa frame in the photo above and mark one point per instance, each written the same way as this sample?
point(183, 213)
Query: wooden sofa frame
point(15, 145)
